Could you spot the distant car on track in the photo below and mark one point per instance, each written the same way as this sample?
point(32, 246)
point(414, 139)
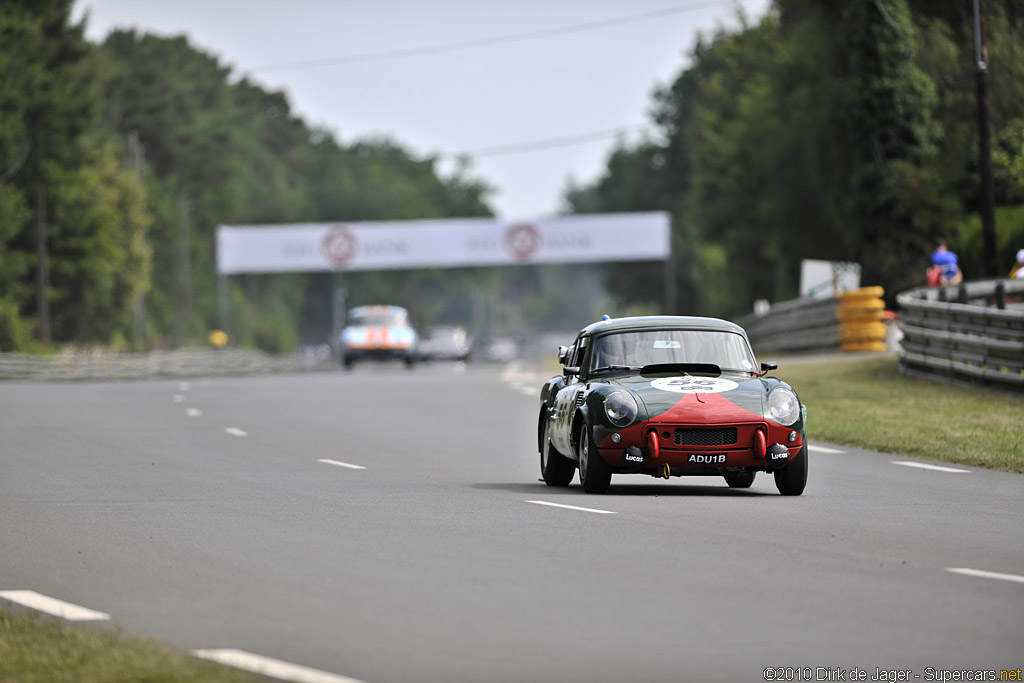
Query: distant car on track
point(496, 350)
point(379, 332)
point(669, 396)
point(446, 342)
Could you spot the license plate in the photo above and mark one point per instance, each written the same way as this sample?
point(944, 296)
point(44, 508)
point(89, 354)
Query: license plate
point(706, 459)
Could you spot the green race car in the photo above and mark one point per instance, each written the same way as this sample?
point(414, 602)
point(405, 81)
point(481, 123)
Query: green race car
point(669, 396)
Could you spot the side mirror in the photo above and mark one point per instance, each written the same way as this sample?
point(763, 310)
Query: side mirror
point(563, 354)
point(768, 366)
point(569, 370)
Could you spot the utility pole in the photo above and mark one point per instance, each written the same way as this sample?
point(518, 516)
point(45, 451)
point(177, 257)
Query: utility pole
point(184, 317)
point(987, 203)
point(42, 268)
point(135, 155)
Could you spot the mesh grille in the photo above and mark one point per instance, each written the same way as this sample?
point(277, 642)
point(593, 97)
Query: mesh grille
point(706, 437)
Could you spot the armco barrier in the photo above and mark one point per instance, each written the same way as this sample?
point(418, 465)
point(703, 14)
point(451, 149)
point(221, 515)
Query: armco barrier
point(797, 326)
point(127, 366)
point(973, 332)
point(851, 321)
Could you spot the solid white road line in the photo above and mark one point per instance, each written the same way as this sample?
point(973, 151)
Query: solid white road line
point(923, 466)
point(274, 668)
point(235, 431)
point(986, 575)
point(822, 449)
point(193, 412)
point(58, 608)
point(570, 507)
point(179, 398)
point(342, 464)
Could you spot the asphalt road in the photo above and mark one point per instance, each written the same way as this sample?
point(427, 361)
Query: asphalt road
point(201, 513)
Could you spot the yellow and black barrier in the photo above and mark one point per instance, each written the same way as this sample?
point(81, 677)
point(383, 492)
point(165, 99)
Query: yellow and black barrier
point(861, 314)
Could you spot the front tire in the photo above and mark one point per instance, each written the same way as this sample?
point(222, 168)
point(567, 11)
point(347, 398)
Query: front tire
point(595, 475)
point(740, 480)
point(792, 478)
point(555, 468)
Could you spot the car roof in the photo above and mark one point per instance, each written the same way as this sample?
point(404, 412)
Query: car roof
point(647, 322)
point(377, 310)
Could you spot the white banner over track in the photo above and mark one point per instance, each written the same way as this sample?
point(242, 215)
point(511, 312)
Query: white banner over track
point(460, 242)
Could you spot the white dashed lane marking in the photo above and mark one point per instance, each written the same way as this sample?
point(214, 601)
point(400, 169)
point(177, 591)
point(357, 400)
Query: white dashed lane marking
point(823, 449)
point(571, 507)
point(986, 575)
point(194, 412)
point(526, 383)
point(925, 466)
point(179, 398)
point(235, 431)
point(342, 464)
point(58, 608)
point(273, 668)
point(184, 386)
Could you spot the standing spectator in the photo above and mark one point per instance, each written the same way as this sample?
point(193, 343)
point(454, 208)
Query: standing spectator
point(946, 262)
point(1018, 268)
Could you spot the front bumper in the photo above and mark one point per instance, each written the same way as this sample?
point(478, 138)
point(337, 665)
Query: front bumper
point(697, 450)
point(378, 353)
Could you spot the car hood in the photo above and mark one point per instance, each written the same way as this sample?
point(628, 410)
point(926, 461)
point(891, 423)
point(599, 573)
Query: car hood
point(698, 398)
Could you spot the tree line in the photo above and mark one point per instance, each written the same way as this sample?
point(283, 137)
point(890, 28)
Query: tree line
point(844, 131)
point(117, 162)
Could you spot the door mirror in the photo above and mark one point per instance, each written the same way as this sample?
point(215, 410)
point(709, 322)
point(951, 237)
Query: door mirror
point(570, 371)
point(563, 354)
point(769, 365)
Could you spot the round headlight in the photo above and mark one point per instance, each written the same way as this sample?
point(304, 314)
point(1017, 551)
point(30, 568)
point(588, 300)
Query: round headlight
point(783, 406)
point(620, 406)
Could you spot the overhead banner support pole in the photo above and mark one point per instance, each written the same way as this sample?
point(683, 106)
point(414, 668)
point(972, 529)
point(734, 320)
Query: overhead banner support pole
point(337, 310)
point(670, 281)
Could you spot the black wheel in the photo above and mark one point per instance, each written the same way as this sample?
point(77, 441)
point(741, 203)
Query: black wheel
point(595, 475)
point(410, 362)
point(740, 480)
point(347, 362)
point(555, 468)
point(792, 478)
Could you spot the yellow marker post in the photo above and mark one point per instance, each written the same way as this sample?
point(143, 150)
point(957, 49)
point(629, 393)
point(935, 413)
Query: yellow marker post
point(218, 339)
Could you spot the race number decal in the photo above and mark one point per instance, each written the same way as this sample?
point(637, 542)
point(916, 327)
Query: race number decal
point(694, 385)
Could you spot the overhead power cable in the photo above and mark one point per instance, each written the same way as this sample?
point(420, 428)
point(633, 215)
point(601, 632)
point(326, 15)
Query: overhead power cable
point(548, 143)
point(484, 42)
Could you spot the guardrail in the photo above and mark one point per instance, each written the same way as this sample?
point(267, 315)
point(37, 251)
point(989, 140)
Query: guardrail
point(972, 332)
point(126, 366)
point(851, 321)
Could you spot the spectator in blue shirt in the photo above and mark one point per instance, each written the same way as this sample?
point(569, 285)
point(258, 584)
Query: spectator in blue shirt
point(946, 262)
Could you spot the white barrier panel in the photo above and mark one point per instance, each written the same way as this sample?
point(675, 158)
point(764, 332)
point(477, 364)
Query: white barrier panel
point(449, 243)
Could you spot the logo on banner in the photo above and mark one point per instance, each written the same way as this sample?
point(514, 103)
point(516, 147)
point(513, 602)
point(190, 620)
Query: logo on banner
point(339, 246)
point(523, 240)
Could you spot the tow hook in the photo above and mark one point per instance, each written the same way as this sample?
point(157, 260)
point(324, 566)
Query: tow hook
point(666, 471)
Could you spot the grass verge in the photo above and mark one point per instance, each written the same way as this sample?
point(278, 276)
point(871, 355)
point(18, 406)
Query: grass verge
point(865, 402)
point(36, 650)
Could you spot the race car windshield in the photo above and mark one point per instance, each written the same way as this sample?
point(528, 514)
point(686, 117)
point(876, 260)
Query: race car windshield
point(727, 350)
point(378, 320)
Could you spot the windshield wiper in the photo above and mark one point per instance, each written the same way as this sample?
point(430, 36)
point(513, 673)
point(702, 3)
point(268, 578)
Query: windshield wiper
point(745, 371)
point(606, 368)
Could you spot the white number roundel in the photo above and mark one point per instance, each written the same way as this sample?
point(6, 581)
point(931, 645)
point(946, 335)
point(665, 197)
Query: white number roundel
point(694, 385)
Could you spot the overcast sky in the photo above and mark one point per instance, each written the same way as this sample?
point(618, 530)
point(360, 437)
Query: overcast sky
point(524, 81)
